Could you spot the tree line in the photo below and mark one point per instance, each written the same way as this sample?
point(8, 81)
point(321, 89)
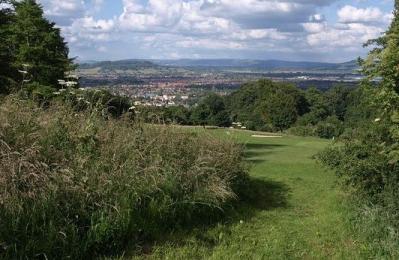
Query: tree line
point(265, 105)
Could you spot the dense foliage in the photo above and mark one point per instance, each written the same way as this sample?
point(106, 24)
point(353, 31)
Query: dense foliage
point(266, 105)
point(273, 106)
point(211, 110)
point(368, 160)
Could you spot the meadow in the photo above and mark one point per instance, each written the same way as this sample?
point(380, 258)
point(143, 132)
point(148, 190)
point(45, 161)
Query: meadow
point(296, 209)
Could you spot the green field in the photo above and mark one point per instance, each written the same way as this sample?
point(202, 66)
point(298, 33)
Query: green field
point(298, 211)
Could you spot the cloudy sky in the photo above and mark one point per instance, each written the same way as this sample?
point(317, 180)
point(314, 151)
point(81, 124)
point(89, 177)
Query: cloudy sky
point(316, 30)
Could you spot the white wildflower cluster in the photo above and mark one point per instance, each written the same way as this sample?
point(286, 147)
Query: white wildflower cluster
point(24, 73)
point(70, 81)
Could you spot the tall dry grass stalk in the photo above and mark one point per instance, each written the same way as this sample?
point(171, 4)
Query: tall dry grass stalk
point(75, 185)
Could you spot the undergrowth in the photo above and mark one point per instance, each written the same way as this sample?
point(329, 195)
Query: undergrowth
point(371, 180)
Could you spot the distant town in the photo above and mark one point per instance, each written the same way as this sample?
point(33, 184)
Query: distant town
point(161, 83)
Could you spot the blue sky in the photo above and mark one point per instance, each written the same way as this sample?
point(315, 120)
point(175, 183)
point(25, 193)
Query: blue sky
point(313, 30)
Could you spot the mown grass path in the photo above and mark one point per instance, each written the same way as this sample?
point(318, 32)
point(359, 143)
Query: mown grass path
point(298, 211)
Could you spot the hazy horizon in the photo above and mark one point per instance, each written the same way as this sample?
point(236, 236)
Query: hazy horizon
point(203, 59)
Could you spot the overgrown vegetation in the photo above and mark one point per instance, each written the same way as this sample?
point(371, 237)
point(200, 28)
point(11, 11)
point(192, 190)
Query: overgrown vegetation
point(367, 161)
point(75, 185)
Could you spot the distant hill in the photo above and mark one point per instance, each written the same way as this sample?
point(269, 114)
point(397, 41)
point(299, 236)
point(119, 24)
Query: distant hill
point(119, 65)
point(258, 65)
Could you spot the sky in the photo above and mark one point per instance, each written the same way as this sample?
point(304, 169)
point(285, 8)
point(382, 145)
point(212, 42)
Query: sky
point(297, 30)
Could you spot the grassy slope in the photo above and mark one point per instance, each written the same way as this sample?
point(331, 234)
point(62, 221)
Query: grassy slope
point(298, 212)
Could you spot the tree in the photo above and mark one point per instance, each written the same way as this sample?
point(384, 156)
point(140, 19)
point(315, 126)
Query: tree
point(177, 114)
point(7, 73)
point(280, 110)
point(318, 110)
point(221, 119)
point(247, 105)
point(382, 64)
point(200, 115)
point(214, 103)
point(211, 110)
point(337, 101)
point(37, 43)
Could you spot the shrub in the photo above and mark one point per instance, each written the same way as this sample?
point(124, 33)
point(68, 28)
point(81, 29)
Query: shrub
point(372, 180)
point(302, 130)
point(362, 164)
point(329, 128)
point(75, 185)
point(39, 93)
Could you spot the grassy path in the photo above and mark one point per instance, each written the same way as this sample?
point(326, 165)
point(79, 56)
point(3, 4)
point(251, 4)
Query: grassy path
point(298, 211)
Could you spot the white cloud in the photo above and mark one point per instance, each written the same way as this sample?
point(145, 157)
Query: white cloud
point(351, 14)
point(350, 36)
point(314, 27)
point(156, 15)
point(63, 11)
point(199, 28)
point(89, 29)
point(257, 34)
point(210, 44)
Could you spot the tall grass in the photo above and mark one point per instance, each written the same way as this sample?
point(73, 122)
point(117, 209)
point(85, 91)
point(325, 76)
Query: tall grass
point(75, 185)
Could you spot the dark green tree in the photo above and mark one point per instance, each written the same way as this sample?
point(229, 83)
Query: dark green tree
point(214, 103)
point(200, 114)
point(318, 110)
point(7, 72)
point(212, 111)
point(247, 105)
point(221, 119)
point(280, 110)
point(36, 42)
point(337, 99)
point(177, 114)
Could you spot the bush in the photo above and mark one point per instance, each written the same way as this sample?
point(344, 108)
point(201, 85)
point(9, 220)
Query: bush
point(302, 130)
point(329, 128)
point(75, 185)
point(362, 164)
point(39, 93)
point(372, 180)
